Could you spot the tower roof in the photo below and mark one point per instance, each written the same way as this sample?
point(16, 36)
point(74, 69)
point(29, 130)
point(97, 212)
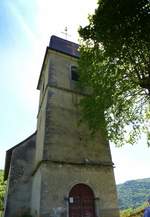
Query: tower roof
point(64, 46)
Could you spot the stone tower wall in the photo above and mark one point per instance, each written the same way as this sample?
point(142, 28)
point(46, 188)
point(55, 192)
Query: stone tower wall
point(58, 179)
point(60, 136)
point(66, 154)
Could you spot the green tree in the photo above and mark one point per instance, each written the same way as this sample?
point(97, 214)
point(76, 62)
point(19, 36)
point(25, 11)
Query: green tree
point(115, 64)
point(2, 190)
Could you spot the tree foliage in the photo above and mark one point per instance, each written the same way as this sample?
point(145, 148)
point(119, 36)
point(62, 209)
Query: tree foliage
point(115, 64)
point(2, 190)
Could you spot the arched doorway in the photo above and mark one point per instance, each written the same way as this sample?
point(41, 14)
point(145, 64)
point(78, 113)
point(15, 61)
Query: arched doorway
point(81, 201)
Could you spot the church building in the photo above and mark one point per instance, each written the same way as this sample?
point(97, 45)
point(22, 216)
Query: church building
point(60, 170)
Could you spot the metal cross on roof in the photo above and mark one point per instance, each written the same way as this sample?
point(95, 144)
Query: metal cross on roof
point(65, 32)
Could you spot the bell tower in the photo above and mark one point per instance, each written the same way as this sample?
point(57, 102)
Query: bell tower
point(73, 175)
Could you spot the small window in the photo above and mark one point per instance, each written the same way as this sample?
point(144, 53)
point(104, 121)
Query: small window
point(74, 73)
point(43, 86)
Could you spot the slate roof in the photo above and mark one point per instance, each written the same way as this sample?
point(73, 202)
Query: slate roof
point(64, 46)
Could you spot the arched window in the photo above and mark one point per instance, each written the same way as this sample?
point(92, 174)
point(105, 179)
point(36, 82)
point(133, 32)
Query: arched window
point(81, 201)
point(74, 73)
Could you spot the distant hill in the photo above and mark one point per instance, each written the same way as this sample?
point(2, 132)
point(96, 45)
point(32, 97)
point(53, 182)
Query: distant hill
point(134, 193)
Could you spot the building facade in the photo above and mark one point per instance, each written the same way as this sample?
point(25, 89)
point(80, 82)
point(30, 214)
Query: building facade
point(60, 171)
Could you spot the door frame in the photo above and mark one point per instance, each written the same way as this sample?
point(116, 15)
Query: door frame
point(93, 196)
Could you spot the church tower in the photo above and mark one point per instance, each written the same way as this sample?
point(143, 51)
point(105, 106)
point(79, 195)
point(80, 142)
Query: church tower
point(73, 173)
point(60, 170)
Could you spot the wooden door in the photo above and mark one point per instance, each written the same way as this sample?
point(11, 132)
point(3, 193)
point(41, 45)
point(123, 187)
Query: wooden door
point(81, 201)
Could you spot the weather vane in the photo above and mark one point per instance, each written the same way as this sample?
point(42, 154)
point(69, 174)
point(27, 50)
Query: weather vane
point(65, 32)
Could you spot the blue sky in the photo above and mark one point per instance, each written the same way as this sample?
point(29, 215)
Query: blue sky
point(25, 30)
